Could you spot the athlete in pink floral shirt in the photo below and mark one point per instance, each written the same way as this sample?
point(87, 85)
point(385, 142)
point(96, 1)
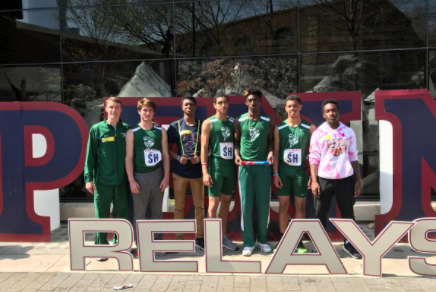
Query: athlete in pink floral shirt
point(334, 168)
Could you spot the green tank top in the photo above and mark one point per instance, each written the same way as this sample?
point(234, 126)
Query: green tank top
point(293, 144)
point(147, 149)
point(221, 140)
point(254, 137)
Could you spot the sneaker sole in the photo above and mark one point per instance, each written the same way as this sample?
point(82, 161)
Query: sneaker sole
point(236, 248)
point(353, 256)
point(200, 247)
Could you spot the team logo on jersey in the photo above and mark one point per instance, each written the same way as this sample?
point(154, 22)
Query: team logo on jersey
point(254, 133)
point(124, 135)
point(148, 142)
point(292, 140)
point(226, 132)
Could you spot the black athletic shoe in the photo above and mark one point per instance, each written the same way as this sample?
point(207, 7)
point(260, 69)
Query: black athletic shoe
point(200, 243)
point(349, 248)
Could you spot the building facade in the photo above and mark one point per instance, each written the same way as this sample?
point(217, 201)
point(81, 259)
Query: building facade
point(78, 51)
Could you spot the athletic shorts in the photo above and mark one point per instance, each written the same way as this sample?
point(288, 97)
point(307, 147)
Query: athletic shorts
point(293, 180)
point(224, 178)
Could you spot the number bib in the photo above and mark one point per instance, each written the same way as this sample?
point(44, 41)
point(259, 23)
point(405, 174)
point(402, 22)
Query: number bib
point(292, 157)
point(152, 157)
point(226, 150)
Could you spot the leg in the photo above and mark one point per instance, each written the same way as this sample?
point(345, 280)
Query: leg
point(197, 189)
point(141, 200)
point(283, 194)
point(323, 203)
point(263, 198)
point(213, 206)
point(344, 193)
point(214, 191)
point(180, 185)
point(102, 202)
point(227, 190)
point(299, 186)
point(156, 197)
point(224, 211)
point(121, 204)
point(246, 191)
point(283, 212)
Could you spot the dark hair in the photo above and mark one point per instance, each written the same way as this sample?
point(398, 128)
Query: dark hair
point(293, 97)
point(220, 94)
point(190, 98)
point(253, 91)
point(327, 101)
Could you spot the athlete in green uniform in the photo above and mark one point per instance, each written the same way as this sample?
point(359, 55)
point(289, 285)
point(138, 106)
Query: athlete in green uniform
point(219, 171)
point(254, 142)
point(105, 174)
point(291, 140)
point(149, 171)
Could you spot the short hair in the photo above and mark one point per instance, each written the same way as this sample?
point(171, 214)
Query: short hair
point(293, 97)
point(114, 99)
point(190, 98)
point(253, 91)
point(146, 102)
point(327, 101)
point(220, 94)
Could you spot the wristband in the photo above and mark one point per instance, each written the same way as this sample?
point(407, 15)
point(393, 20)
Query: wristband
point(275, 174)
point(178, 158)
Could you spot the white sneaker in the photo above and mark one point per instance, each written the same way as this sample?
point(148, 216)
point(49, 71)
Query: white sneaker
point(248, 251)
point(264, 248)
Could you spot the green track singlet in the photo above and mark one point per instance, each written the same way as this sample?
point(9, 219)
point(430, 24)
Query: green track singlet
point(148, 146)
point(293, 144)
point(254, 137)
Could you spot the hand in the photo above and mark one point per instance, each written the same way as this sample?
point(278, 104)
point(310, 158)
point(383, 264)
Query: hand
point(183, 159)
point(194, 159)
point(316, 189)
point(238, 160)
point(207, 180)
point(357, 188)
point(309, 182)
point(278, 182)
point(90, 187)
point(270, 158)
point(134, 187)
point(164, 184)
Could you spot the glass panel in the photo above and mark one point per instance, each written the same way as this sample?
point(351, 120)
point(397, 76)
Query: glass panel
point(117, 32)
point(275, 76)
point(31, 83)
point(328, 25)
point(432, 23)
point(86, 84)
point(31, 36)
point(241, 27)
point(366, 72)
point(71, 3)
point(432, 72)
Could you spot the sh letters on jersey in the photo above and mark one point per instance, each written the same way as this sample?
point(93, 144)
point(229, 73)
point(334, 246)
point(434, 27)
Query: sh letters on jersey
point(412, 114)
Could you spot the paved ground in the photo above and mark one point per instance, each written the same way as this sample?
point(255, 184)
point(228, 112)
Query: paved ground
point(46, 267)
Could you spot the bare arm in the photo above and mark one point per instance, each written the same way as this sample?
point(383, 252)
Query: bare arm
point(271, 141)
point(165, 161)
point(312, 129)
point(134, 187)
point(206, 130)
point(237, 142)
point(277, 180)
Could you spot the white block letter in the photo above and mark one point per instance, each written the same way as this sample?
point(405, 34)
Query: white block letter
point(213, 253)
point(79, 251)
point(285, 255)
point(148, 246)
point(419, 241)
point(372, 251)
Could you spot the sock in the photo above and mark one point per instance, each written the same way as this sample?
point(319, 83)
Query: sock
point(346, 241)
